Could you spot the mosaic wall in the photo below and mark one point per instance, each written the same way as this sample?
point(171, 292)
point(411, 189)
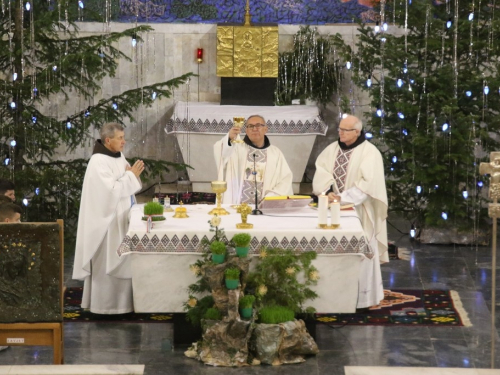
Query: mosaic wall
point(312, 12)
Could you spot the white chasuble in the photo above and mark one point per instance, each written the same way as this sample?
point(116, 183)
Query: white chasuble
point(358, 176)
point(235, 164)
point(106, 199)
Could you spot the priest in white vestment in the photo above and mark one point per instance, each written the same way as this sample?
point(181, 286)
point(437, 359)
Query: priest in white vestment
point(107, 195)
point(351, 170)
point(253, 162)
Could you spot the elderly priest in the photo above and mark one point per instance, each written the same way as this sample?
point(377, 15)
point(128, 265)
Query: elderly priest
point(351, 170)
point(237, 163)
point(107, 195)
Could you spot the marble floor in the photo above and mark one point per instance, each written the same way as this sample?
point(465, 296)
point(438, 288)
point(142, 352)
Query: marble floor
point(464, 269)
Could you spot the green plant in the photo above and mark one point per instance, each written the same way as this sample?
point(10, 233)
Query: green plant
point(218, 247)
point(241, 239)
point(275, 281)
point(212, 314)
point(153, 208)
point(275, 315)
point(246, 302)
point(232, 273)
point(197, 312)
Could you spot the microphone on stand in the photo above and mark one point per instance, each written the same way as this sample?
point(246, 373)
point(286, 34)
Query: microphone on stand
point(256, 211)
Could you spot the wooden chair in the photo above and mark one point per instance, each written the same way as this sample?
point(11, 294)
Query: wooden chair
point(43, 333)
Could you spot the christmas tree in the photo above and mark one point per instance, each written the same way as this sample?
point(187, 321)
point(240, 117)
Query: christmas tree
point(44, 62)
point(430, 70)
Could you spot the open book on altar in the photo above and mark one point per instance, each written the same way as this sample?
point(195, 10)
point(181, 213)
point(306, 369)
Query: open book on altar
point(285, 201)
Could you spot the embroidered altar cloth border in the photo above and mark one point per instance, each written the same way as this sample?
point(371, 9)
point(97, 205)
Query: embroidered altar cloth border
point(289, 229)
point(213, 118)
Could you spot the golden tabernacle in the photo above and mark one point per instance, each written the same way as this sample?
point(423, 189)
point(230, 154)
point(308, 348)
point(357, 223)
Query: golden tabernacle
point(247, 51)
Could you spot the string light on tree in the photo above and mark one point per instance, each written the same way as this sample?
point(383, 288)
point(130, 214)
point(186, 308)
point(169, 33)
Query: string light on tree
point(444, 215)
point(35, 91)
point(486, 90)
point(384, 26)
point(37, 191)
point(399, 82)
point(13, 105)
point(134, 40)
point(379, 112)
point(436, 187)
point(418, 189)
point(471, 16)
point(348, 65)
point(13, 143)
point(114, 105)
point(87, 112)
point(377, 27)
point(80, 4)
point(28, 6)
point(69, 125)
point(54, 68)
point(413, 231)
point(14, 76)
point(449, 23)
point(368, 135)
point(480, 184)
point(401, 115)
point(465, 193)
point(394, 159)
point(25, 202)
point(6, 161)
point(153, 95)
point(369, 81)
point(445, 127)
point(405, 132)
point(468, 94)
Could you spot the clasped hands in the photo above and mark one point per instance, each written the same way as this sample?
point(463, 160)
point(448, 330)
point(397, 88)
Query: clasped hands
point(137, 168)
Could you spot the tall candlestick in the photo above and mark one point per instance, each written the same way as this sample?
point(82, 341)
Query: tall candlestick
point(322, 211)
point(335, 213)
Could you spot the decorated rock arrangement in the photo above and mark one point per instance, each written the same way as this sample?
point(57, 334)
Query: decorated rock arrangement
point(269, 296)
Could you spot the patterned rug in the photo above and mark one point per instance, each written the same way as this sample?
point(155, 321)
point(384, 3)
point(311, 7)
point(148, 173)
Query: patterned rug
point(399, 307)
point(407, 308)
point(74, 313)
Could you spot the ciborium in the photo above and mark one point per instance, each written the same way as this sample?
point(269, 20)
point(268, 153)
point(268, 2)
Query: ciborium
point(219, 187)
point(238, 122)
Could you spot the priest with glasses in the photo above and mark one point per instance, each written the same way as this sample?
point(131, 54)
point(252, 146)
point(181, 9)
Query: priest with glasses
point(240, 164)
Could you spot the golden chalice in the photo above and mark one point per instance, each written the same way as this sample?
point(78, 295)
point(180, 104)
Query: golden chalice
point(219, 187)
point(238, 122)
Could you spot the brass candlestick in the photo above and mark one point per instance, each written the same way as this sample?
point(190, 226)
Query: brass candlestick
point(244, 209)
point(219, 187)
point(238, 122)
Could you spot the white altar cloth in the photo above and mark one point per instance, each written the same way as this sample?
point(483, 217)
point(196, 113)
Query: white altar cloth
point(213, 118)
point(161, 258)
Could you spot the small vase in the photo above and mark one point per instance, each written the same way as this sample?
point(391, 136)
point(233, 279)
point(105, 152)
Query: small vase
point(232, 284)
point(246, 313)
point(242, 252)
point(218, 258)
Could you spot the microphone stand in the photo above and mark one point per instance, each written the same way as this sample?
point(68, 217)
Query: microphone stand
point(256, 211)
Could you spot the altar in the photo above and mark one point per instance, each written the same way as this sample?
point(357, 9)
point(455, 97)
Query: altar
point(293, 129)
point(160, 259)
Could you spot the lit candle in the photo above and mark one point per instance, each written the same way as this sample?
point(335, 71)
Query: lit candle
point(322, 210)
point(335, 213)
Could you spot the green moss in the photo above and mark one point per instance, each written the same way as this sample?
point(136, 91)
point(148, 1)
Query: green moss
point(232, 273)
point(275, 315)
point(153, 208)
point(218, 247)
point(241, 239)
point(213, 314)
point(246, 302)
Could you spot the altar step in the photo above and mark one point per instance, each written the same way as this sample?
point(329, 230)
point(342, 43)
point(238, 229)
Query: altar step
point(380, 370)
point(73, 370)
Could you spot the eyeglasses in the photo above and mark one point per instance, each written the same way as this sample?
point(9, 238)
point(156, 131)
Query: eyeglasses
point(345, 130)
point(255, 126)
